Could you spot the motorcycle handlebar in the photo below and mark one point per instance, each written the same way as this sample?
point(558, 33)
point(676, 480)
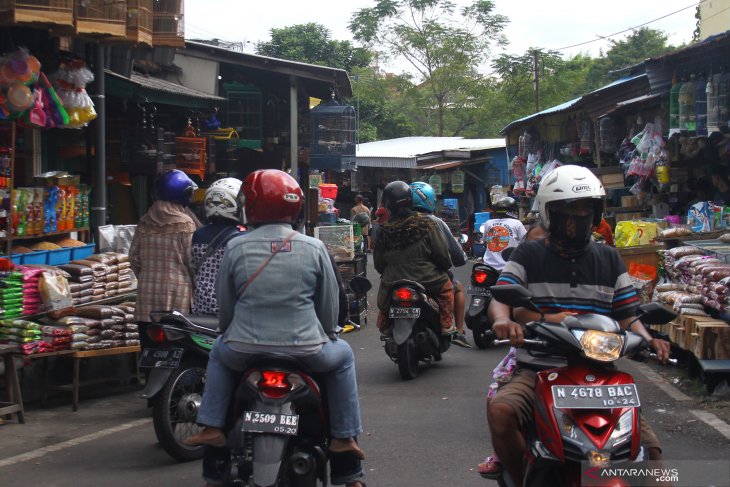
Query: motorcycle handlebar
point(672, 361)
point(527, 341)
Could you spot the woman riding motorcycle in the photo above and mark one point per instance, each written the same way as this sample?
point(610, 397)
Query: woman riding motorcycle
point(299, 319)
point(222, 213)
point(412, 247)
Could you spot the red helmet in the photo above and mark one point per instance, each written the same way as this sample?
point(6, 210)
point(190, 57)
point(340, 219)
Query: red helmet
point(270, 195)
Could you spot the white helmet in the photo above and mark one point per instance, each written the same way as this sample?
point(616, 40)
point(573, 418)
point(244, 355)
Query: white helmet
point(570, 183)
point(221, 199)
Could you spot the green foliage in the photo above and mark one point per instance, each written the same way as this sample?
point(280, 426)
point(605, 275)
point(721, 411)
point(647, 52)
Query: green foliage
point(642, 44)
point(311, 43)
point(442, 44)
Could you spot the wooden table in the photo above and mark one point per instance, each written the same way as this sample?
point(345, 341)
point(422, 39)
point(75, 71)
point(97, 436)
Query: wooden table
point(13, 402)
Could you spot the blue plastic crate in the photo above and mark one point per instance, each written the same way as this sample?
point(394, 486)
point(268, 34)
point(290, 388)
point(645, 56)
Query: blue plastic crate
point(480, 219)
point(17, 259)
point(78, 253)
point(59, 256)
point(452, 203)
point(35, 257)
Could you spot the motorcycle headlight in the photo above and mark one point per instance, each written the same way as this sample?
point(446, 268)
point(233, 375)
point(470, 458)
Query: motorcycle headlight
point(599, 345)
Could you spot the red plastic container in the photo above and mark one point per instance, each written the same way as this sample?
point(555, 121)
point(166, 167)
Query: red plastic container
point(328, 191)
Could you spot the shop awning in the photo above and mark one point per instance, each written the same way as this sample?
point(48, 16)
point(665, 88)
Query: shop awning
point(634, 102)
point(141, 89)
point(443, 165)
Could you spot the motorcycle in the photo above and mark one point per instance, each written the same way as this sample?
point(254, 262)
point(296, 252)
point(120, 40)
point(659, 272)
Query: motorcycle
point(279, 432)
point(176, 380)
point(483, 277)
point(585, 409)
point(416, 325)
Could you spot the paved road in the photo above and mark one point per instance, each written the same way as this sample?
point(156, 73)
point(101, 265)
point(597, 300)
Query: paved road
point(429, 432)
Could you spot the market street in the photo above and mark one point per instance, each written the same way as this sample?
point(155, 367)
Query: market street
point(429, 432)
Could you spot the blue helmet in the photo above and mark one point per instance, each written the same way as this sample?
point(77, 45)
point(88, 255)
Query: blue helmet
point(174, 186)
point(424, 197)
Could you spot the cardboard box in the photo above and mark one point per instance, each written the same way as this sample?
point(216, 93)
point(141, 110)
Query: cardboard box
point(613, 180)
point(630, 200)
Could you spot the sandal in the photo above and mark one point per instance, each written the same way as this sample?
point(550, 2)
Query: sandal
point(490, 468)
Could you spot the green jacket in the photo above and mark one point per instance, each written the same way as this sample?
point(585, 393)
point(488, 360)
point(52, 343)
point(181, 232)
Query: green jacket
point(410, 247)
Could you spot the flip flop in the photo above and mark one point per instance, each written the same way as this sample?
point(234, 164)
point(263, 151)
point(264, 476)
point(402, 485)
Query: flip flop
point(490, 468)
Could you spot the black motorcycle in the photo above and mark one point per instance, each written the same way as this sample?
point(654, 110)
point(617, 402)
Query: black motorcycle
point(176, 380)
point(483, 277)
point(416, 328)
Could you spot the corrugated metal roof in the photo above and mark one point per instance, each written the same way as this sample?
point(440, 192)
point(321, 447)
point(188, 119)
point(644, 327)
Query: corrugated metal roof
point(635, 82)
point(314, 72)
point(157, 84)
point(416, 146)
point(387, 162)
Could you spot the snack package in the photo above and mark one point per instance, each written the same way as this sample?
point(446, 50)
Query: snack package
point(700, 216)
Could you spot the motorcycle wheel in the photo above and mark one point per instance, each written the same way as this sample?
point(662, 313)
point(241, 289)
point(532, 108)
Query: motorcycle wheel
point(480, 340)
point(408, 360)
point(175, 411)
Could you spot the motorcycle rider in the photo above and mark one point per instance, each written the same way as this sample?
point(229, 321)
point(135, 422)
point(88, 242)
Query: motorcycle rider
point(412, 247)
point(299, 319)
point(222, 213)
point(424, 202)
point(160, 251)
point(502, 232)
point(563, 273)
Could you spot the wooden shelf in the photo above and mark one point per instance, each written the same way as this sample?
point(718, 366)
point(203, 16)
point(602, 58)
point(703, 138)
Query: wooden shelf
point(45, 235)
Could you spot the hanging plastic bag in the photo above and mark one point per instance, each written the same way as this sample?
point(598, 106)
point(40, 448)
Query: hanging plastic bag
point(625, 234)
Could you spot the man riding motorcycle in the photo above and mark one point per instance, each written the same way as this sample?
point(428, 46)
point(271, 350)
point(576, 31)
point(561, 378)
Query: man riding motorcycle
point(502, 232)
point(424, 201)
point(412, 247)
point(298, 320)
point(567, 273)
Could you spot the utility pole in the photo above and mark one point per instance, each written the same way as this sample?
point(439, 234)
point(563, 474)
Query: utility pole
point(536, 80)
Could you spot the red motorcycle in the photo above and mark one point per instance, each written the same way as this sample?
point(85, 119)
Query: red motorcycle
point(586, 411)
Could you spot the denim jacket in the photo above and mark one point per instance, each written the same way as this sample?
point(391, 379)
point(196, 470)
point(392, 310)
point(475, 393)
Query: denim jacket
point(292, 302)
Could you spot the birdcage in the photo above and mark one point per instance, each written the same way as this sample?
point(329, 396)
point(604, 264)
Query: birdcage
point(332, 144)
point(139, 21)
point(60, 12)
point(101, 17)
point(168, 28)
point(339, 240)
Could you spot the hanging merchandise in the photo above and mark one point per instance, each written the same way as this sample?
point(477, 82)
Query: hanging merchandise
point(71, 80)
point(435, 182)
point(608, 137)
point(519, 167)
point(586, 137)
point(457, 181)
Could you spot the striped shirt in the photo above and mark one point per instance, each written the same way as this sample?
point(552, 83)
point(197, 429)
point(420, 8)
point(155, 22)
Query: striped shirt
point(595, 282)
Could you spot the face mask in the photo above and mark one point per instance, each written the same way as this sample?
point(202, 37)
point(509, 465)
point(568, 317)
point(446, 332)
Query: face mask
point(570, 234)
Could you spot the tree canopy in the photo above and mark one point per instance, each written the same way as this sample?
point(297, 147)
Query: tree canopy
point(312, 43)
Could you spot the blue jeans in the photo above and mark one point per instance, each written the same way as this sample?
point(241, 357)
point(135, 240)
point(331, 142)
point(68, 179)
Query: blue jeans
point(335, 361)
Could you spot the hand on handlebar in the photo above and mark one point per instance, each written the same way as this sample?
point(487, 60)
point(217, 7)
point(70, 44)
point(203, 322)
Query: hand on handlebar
point(507, 329)
point(661, 347)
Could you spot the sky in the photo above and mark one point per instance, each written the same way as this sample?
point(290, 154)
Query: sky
point(549, 24)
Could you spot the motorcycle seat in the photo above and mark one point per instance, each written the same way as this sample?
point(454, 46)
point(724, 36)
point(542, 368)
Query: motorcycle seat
point(206, 321)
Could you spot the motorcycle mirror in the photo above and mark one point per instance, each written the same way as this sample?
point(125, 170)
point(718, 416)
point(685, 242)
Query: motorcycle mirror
point(463, 238)
point(514, 296)
point(655, 314)
point(360, 285)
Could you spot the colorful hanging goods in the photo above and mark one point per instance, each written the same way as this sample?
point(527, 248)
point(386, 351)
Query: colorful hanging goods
point(71, 80)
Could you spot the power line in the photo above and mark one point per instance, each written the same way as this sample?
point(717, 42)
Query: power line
point(630, 28)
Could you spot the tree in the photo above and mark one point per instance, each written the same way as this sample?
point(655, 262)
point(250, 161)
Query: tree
point(312, 43)
point(642, 44)
point(443, 48)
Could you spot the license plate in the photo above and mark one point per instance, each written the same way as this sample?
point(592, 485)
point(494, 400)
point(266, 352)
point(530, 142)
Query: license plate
point(596, 397)
point(478, 291)
point(162, 358)
point(283, 424)
point(405, 313)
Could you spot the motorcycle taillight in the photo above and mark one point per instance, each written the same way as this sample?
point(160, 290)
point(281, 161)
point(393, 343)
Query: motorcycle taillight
point(480, 276)
point(404, 296)
point(273, 384)
point(156, 334)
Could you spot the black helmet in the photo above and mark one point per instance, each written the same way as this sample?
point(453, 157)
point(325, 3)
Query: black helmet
point(397, 196)
point(506, 205)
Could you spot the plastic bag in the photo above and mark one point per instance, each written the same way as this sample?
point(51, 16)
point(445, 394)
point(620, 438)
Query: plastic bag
point(54, 291)
point(625, 234)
